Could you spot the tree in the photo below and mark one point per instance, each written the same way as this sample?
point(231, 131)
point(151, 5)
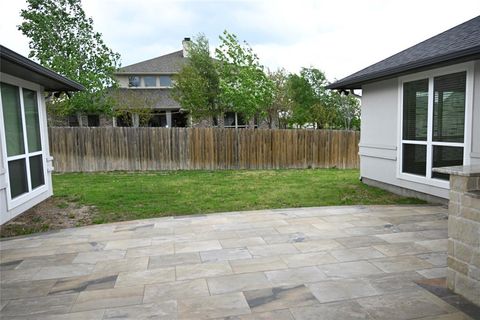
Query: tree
point(133, 103)
point(62, 39)
point(244, 86)
point(196, 86)
point(280, 109)
point(348, 107)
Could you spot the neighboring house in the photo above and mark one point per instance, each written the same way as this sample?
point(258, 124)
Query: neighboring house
point(150, 83)
point(25, 161)
point(420, 110)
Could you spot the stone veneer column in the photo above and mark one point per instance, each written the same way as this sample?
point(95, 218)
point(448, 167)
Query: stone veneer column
point(463, 262)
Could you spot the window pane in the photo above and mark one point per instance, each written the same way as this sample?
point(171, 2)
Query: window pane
point(449, 107)
point(415, 110)
point(165, 81)
point(229, 119)
point(12, 116)
point(18, 177)
point(36, 171)
point(73, 121)
point(93, 120)
point(415, 159)
point(240, 120)
point(444, 157)
point(134, 81)
point(150, 81)
point(31, 119)
point(158, 119)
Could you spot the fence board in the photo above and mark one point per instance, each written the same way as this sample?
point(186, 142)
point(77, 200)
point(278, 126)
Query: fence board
point(131, 149)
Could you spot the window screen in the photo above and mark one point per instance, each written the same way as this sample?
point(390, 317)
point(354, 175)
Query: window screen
point(415, 110)
point(444, 156)
point(449, 107)
point(415, 159)
point(12, 116)
point(165, 81)
point(150, 81)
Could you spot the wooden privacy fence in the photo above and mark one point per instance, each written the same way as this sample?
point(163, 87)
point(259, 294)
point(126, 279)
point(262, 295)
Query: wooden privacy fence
point(130, 149)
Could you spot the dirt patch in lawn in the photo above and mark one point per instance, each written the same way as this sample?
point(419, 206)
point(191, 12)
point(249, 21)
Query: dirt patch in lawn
point(52, 214)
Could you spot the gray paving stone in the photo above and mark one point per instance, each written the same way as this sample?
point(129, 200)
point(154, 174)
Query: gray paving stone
point(404, 305)
point(360, 241)
point(175, 290)
point(258, 264)
point(64, 271)
point(132, 279)
point(196, 246)
point(120, 265)
point(433, 273)
point(238, 282)
point(438, 259)
point(345, 310)
point(337, 290)
point(127, 244)
point(172, 260)
point(202, 270)
point(225, 254)
point(153, 250)
point(224, 305)
point(284, 314)
point(47, 261)
point(295, 276)
point(25, 289)
point(308, 259)
point(94, 257)
point(401, 249)
point(355, 254)
point(83, 283)
point(401, 263)
point(39, 305)
point(162, 310)
point(392, 282)
point(349, 269)
point(242, 242)
point(108, 298)
point(272, 250)
point(84, 315)
point(279, 298)
point(317, 245)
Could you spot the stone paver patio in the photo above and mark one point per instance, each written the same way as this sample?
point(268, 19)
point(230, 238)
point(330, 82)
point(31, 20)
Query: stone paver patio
point(360, 262)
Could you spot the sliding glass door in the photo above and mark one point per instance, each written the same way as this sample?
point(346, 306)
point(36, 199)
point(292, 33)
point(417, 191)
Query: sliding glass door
point(24, 154)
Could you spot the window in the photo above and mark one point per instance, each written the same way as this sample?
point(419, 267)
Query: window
point(165, 81)
point(73, 121)
point(25, 160)
point(179, 119)
point(134, 81)
point(150, 81)
point(433, 124)
point(158, 119)
point(93, 120)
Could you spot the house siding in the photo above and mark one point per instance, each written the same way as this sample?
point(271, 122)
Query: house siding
point(379, 136)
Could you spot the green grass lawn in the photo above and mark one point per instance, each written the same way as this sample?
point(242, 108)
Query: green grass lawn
point(136, 195)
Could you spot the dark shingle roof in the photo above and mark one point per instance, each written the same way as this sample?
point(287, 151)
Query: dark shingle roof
point(461, 43)
point(24, 68)
point(169, 63)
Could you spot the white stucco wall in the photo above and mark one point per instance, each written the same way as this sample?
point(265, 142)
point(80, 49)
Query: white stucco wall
point(380, 129)
point(475, 154)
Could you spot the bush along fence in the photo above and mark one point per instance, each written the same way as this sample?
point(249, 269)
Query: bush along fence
point(131, 149)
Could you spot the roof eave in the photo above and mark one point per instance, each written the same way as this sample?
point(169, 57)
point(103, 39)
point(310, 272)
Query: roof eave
point(63, 83)
point(455, 57)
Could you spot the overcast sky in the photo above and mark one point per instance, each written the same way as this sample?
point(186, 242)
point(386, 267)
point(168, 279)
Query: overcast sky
point(338, 37)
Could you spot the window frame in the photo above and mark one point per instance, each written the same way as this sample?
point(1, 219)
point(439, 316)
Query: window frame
point(32, 193)
point(467, 67)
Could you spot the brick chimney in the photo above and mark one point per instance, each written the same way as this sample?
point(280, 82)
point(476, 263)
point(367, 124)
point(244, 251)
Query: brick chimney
point(186, 42)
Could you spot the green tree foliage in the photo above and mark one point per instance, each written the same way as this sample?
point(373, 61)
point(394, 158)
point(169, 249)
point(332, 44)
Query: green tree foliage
point(196, 86)
point(280, 108)
point(62, 38)
point(132, 102)
point(312, 105)
point(244, 86)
